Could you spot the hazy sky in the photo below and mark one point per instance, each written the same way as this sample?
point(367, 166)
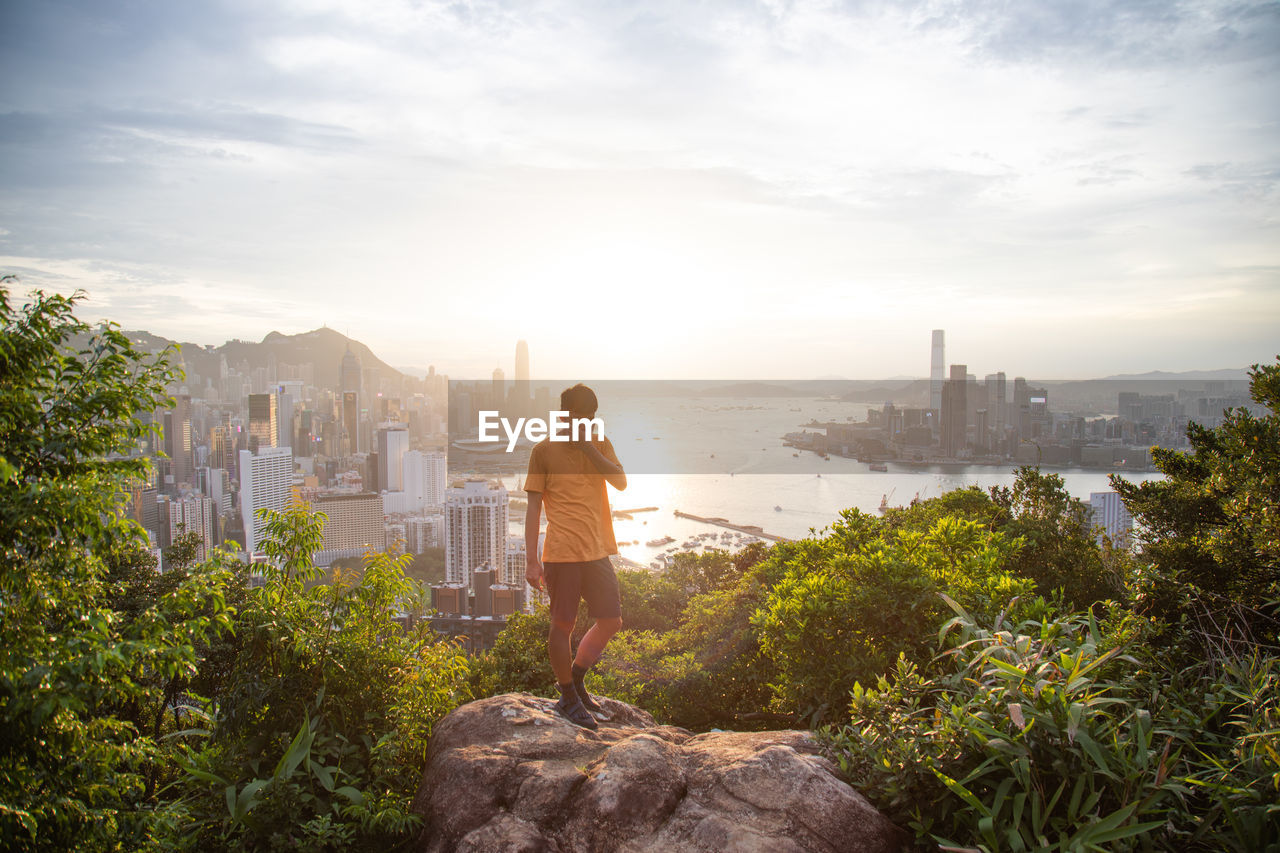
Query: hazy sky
point(1069, 188)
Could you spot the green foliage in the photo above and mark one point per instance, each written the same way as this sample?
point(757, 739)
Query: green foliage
point(1059, 551)
point(697, 574)
point(1033, 739)
point(185, 709)
point(1049, 735)
point(871, 599)
point(427, 567)
point(318, 734)
point(1211, 529)
point(709, 671)
point(1234, 757)
point(651, 601)
point(518, 660)
point(76, 675)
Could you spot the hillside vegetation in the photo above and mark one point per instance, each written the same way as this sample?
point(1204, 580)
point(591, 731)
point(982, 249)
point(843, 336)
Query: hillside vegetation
point(985, 674)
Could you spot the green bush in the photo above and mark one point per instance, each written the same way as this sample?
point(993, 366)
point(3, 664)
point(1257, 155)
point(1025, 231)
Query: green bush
point(78, 676)
point(1034, 739)
point(1047, 735)
point(867, 602)
point(317, 739)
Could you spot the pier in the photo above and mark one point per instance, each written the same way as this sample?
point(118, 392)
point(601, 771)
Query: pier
point(628, 513)
point(749, 529)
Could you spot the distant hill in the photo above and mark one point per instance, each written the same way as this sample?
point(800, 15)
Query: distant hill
point(1225, 373)
point(323, 347)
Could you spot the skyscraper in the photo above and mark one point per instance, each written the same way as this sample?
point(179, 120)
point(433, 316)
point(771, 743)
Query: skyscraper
point(997, 404)
point(266, 481)
point(350, 378)
point(178, 443)
point(523, 398)
point(222, 447)
point(393, 444)
point(351, 421)
point(475, 529)
point(498, 390)
point(264, 426)
point(937, 370)
point(349, 372)
point(288, 395)
point(955, 412)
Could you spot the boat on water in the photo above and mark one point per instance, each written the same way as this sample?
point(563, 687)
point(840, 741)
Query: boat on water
point(657, 543)
point(884, 501)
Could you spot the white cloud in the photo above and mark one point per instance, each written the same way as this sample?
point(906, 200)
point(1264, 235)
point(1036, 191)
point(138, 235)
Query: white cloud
point(743, 171)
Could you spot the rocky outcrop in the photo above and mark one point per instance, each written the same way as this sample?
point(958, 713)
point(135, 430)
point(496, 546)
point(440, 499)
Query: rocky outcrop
point(509, 774)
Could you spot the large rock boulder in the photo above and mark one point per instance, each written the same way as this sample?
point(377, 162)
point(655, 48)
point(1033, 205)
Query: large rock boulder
point(509, 774)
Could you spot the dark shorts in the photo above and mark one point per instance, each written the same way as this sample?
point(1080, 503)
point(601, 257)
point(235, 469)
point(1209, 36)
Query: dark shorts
point(593, 580)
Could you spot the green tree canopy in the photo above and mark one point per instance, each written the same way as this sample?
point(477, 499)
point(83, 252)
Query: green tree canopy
point(1210, 531)
point(74, 769)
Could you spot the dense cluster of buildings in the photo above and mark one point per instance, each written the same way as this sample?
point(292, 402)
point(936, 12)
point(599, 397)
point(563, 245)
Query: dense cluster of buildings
point(369, 453)
point(997, 421)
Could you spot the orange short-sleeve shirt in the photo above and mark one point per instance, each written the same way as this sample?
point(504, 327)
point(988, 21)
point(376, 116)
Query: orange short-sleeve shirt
point(576, 500)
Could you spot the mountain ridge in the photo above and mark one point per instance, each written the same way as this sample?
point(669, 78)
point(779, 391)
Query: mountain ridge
point(322, 347)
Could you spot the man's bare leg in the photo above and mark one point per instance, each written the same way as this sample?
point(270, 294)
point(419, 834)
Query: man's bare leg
point(597, 637)
point(559, 650)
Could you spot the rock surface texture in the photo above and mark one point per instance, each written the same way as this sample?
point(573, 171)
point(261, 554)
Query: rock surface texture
point(509, 775)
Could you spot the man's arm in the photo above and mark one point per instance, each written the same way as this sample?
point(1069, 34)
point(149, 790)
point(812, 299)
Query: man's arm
point(532, 521)
point(611, 469)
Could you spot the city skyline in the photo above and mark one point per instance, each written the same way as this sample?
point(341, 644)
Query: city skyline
point(1074, 190)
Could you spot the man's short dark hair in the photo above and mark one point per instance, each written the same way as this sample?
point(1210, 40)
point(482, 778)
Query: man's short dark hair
point(580, 399)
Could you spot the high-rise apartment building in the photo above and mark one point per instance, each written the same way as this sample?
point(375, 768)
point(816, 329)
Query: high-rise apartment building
point(1110, 517)
point(264, 425)
point(353, 525)
point(266, 482)
point(393, 444)
point(475, 529)
point(422, 532)
point(425, 479)
point(193, 514)
point(215, 483)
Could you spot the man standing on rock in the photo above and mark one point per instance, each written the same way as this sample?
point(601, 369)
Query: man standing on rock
point(568, 479)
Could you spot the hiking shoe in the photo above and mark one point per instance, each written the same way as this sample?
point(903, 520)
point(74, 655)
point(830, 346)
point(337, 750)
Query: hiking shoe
point(575, 713)
point(590, 704)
